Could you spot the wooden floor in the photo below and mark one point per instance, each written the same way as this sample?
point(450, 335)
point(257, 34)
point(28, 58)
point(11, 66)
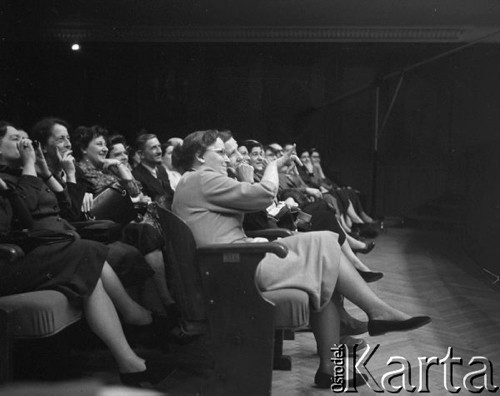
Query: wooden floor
point(426, 272)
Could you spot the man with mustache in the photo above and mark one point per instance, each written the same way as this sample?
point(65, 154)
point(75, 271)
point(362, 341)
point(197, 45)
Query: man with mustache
point(150, 172)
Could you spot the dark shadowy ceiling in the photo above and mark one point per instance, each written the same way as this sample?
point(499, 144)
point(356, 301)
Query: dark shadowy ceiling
point(250, 20)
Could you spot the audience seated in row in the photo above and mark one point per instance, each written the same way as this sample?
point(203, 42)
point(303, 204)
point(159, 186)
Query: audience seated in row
point(73, 266)
point(213, 205)
point(322, 260)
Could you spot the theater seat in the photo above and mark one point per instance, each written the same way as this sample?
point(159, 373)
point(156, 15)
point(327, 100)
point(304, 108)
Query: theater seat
point(39, 314)
point(29, 316)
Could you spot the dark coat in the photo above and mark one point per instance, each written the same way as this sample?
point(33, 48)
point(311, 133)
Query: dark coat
point(158, 189)
point(72, 267)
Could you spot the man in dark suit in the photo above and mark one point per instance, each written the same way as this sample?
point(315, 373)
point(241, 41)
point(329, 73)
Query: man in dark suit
point(150, 172)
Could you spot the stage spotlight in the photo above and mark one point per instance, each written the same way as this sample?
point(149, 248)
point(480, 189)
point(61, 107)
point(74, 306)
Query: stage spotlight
point(75, 47)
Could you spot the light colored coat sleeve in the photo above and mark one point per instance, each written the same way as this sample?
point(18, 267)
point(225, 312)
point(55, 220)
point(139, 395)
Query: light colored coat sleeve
point(227, 195)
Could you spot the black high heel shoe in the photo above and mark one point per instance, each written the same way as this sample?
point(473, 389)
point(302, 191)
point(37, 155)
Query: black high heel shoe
point(369, 276)
point(325, 380)
point(379, 327)
point(145, 379)
point(369, 247)
point(366, 230)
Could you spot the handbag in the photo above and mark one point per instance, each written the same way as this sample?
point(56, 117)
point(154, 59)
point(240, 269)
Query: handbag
point(105, 231)
point(113, 204)
point(282, 215)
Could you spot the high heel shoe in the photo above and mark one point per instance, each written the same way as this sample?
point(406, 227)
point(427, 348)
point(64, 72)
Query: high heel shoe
point(366, 230)
point(325, 380)
point(369, 247)
point(379, 327)
point(370, 276)
point(145, 379)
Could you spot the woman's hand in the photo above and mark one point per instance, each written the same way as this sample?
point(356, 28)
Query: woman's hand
point(291, 203)
point(144, 198)
point(109, 163)
point(287, 158)
point(42, 168)
point(244, 173)
point(314, 192)
point(121, 171)
point(87, 203)
point(67, 162)
point(26, 151)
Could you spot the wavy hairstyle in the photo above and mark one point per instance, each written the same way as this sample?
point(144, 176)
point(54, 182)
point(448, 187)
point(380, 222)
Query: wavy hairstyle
point(82, 136)
point(194, 144)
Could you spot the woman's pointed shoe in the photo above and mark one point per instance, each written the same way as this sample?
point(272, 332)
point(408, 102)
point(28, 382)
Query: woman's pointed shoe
point(145, 379)
point(370, 276)
point(379, 327)
point(369, 247)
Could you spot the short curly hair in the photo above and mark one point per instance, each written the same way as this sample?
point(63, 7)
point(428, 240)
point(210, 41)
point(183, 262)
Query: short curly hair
point(82, 136)
point(195, 143)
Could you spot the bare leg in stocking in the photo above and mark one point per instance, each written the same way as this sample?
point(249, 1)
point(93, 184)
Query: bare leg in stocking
point(326, 328)
point(103, 320)
point(353, 287)
point(353, 259)
point(343, 223)
point(155, 260)
point(325, 324)
point(353, 215)
point(132, 312)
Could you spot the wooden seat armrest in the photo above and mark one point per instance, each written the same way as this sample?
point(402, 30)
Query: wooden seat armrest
point(245, 248)
point(270, 233)
point(10, 253)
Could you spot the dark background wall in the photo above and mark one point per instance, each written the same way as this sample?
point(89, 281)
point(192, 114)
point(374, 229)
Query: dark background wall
point(441, 138)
